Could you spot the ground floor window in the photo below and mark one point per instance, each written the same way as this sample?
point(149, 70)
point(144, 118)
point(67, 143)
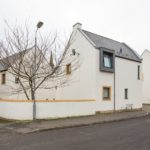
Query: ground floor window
point(126, 93)
point(3, 78)
point(106, 93)
point(16, 80)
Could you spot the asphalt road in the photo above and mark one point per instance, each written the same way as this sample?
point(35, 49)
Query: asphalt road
point(124, 135)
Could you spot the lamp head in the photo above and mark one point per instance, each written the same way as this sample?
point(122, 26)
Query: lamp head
point(39, 24)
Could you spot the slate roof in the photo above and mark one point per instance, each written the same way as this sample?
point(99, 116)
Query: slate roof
point(4, 63)
point(121, 49)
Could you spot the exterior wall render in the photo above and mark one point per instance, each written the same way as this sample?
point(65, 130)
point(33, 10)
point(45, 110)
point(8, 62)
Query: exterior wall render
point(87, 83)
point(146, 76)
point(24, 110)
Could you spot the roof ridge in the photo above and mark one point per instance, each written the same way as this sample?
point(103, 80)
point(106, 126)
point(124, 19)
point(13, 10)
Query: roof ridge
point(17, 53)
point(146, 50)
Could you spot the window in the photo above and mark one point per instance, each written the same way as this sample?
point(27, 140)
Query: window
point(138, 72)
point(107, 60)
point(106, 93)
point(3, 77)
point(126, 93)
point(68, 69)
point(16, 80)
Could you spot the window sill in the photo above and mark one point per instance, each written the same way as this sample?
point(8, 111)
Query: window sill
point(106, 99)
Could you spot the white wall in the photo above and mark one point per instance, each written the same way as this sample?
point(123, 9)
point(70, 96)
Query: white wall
point(83, 83)
point(102, 79)
point(146, 76)
point(45, 110)
point(127, 77)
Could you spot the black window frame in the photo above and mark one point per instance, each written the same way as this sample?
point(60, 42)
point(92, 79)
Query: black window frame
point(126, 93)
point(111, 54)
point(138, 71)
point(3, 78)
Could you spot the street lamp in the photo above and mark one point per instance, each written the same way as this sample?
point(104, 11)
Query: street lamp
point(38, 26)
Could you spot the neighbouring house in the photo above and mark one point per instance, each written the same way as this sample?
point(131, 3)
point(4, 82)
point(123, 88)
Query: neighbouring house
point(146, 82)
point(10, 88)
point(146, 75)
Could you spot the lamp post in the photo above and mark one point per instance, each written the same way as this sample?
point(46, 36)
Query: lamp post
point(38, 26)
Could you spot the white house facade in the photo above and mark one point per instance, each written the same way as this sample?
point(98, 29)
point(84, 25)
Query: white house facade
point(110, 72)
point(146, 73)
point(109, 78)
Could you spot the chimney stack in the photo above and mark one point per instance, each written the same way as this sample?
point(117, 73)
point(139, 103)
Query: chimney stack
point(77, 26)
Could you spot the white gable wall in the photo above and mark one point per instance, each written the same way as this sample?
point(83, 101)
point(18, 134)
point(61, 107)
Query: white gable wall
point(83, 83)
point(146, 71)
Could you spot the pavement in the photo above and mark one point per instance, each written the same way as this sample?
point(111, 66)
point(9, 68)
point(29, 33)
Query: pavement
point(43, 125)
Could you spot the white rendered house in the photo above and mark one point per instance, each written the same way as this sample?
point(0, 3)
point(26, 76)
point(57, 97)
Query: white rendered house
point(110, 72)
point(109, 78)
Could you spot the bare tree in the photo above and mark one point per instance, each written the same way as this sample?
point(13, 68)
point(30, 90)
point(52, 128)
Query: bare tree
point(34, 61)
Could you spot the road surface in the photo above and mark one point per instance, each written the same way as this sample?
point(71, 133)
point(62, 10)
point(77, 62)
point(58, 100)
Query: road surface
point(131, 134)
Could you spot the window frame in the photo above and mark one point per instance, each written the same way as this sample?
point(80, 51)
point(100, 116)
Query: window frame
point(3, 78)
point(126, 93)
point(111, 54)
point(68, 69)
point(110, 92)
point(16, 80)
point(138, 72)
point(109, 59)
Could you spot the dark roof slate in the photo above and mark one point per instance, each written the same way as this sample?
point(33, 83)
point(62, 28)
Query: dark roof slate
point(4, 63)
point(121, 49)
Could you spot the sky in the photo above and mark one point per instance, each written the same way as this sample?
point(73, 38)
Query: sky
point(122, 20)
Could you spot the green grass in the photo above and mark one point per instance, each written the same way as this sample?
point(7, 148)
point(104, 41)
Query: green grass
point(5, 121)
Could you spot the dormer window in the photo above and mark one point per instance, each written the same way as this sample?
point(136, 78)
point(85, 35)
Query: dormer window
point(107, 60)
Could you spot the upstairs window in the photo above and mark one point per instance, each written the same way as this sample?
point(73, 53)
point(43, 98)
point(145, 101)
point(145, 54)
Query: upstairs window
point(68, 69)
point(3, 78)
point(138, 72)
point(107, 60)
